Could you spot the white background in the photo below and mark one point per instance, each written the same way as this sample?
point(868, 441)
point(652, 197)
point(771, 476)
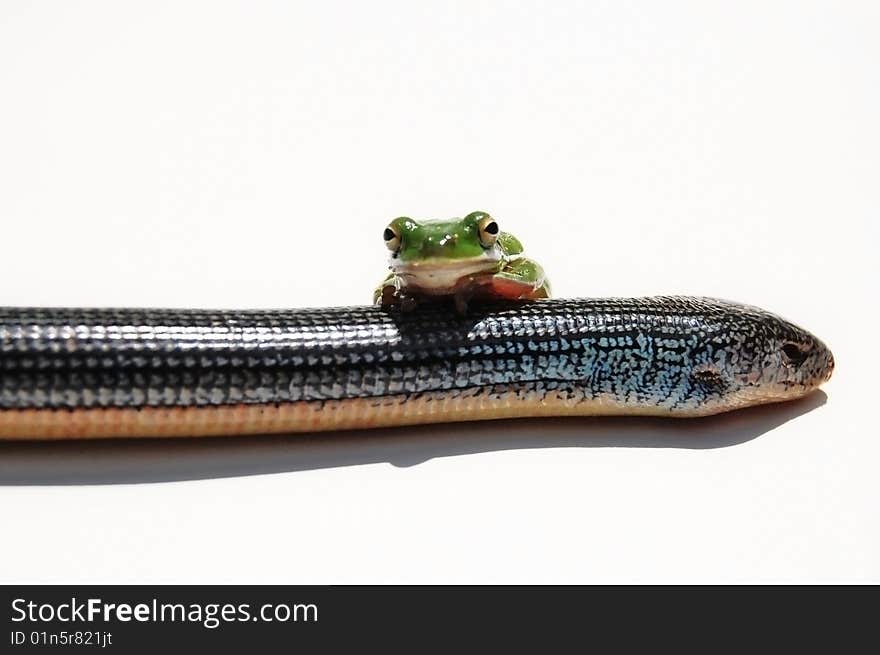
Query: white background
point(217, 154)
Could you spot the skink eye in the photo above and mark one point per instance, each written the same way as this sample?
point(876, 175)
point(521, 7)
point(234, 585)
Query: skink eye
point(792, 354)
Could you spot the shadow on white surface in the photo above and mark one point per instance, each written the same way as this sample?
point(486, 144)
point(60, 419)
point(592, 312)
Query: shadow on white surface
point(120, 461)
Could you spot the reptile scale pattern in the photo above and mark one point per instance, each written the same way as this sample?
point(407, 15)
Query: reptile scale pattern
point(663, 355)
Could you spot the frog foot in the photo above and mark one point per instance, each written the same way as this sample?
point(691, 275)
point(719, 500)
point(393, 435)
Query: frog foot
point(391, 293)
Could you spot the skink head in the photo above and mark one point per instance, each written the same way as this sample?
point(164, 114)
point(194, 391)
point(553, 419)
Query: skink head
point(767, 358)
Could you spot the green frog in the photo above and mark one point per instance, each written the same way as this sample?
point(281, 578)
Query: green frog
point(464, 258)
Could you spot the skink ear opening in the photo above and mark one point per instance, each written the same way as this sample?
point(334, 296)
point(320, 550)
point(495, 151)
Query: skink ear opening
point(710, 378)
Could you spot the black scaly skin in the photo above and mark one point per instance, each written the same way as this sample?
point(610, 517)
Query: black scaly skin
point(675, 353)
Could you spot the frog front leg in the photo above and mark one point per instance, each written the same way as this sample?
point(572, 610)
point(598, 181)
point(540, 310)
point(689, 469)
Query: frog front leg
point(392, 293)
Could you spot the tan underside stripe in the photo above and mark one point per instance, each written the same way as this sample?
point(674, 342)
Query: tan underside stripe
point(300, 416)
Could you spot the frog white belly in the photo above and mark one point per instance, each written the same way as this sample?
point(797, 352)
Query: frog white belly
point(439, 277)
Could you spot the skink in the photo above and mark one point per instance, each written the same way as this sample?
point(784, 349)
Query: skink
point(76, 373)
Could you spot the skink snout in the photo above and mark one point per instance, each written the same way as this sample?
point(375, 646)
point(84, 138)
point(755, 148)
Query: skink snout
point(805, 361)
point(819, 365)
point(829, 366)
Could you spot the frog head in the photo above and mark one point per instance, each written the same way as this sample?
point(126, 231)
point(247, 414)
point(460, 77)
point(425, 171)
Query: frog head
point(433, 256)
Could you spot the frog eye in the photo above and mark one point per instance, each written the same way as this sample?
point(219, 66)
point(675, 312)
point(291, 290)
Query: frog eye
point(392, 238)
point(488, 231)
